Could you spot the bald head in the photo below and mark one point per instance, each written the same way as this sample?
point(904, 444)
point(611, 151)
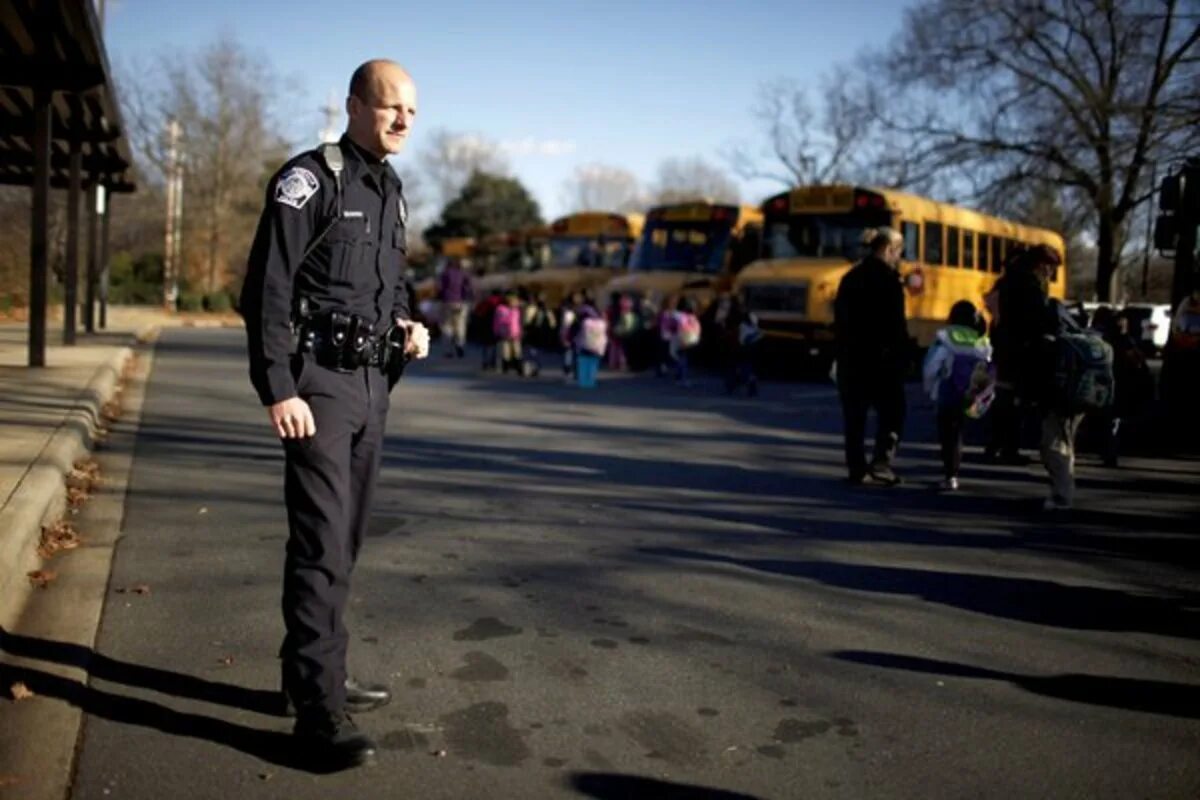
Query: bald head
point(370, 80)
point(381, 106)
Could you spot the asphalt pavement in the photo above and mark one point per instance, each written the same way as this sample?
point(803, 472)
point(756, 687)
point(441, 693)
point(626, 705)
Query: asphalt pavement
point(642, 591)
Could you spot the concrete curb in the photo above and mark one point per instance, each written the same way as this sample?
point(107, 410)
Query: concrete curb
point(41, 496)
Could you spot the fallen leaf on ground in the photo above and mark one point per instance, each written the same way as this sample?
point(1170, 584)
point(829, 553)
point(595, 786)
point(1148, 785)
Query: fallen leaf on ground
point(203, 510)
point(59, 536)
point(266, 776)
point(77, 497)
point(227, 661)
point(41, 577)
point(20, 691)
point(439, 753)
point(86, 472)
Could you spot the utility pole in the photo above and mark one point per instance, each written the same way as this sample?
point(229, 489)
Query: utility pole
point(170, 267)
point(332, 114)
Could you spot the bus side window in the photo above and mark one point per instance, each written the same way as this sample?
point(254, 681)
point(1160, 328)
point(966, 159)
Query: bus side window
point(997, 254)
point(933, 243)
point(952, 246)
point(911, 235)
point(984, 241)
point(968, 253)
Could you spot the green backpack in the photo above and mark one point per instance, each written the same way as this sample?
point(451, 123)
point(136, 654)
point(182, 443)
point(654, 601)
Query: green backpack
point(1083, 370)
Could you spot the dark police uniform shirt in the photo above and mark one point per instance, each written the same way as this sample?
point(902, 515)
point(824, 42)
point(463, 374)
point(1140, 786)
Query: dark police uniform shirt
point(357, 267)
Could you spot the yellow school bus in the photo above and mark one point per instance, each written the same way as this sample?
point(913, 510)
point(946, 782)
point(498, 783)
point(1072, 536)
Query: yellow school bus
point(692, 250)
point(812, 236)
point(505, 256)
point(586, 251)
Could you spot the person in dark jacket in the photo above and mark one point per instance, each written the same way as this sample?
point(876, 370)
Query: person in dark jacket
point(1031, 320)
point(873, 351)
point(328, 262)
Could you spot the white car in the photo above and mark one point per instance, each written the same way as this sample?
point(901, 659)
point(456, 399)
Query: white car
point(1155, 322)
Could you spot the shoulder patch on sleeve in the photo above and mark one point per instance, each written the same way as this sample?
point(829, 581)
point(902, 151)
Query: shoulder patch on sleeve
point(295, 187)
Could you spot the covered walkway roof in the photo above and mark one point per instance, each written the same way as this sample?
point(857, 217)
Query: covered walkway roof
point(56, 46)
point(60, 127)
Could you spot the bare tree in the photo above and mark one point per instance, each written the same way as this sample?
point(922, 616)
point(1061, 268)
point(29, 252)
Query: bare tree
point(682, 179)
point(600, 187)
point(1077, 95)
point(223, 99)
point(447, 161)
point(806, 145)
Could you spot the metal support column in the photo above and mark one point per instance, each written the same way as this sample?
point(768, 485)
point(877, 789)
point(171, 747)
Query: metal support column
point(71, 268)
point(39, 223)
point(105, 211)
point(89, 289)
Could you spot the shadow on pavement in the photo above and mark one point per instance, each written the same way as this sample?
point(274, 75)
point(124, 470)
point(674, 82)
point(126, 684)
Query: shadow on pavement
point(164, 681)
point(1134, 694)
point(275, 747)
point(610, 786)
point(1038, 602)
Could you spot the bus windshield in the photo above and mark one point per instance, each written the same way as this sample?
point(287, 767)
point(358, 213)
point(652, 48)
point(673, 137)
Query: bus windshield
point(819, 235)
point(683, 247)
point(585, 251)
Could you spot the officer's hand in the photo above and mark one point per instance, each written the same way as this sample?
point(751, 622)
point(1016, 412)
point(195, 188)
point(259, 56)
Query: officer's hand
point(292, 419)
point(417, 344)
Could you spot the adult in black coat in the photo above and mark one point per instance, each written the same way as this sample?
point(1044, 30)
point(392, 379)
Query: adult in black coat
point(873, 354)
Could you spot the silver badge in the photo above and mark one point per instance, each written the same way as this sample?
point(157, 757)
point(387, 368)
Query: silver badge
point(402, 210)
point(295, 187)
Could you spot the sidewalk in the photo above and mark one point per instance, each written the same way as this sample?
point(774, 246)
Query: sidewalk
point(48, 419)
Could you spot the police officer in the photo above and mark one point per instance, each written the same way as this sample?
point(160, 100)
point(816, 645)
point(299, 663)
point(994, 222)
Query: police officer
point(328, 329)
point(872, 355)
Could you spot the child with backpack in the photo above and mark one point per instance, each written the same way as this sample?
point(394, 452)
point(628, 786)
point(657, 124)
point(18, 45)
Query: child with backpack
point(624, 324)
point(507, 325)
point(959, 379)
point(591, 340)
point(744, 335)
point(1079, 380)
point(686, 337)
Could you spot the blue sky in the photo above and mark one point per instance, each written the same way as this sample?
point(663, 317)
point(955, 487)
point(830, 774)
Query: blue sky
point(617, 82)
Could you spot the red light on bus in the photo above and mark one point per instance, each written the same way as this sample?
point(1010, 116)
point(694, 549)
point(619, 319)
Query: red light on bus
point(720, 213)
point(779, 204)
point(861, 201)
point(877, 202)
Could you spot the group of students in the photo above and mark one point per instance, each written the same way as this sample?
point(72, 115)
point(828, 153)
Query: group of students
point(518, 329)
point(1037, 358)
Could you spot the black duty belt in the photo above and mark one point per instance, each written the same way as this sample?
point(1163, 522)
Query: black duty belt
point(346, 342)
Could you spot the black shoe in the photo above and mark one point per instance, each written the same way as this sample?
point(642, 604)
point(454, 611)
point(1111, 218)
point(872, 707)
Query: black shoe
point(360, 698)
point(882, 473)
point(331, 742)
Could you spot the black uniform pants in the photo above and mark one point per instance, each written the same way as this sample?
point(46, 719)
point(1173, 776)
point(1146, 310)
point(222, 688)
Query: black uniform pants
point(862, 390)
point(328, 483)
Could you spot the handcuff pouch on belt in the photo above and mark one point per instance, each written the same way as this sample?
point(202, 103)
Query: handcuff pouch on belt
point(339, 341)
point(344, 342)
